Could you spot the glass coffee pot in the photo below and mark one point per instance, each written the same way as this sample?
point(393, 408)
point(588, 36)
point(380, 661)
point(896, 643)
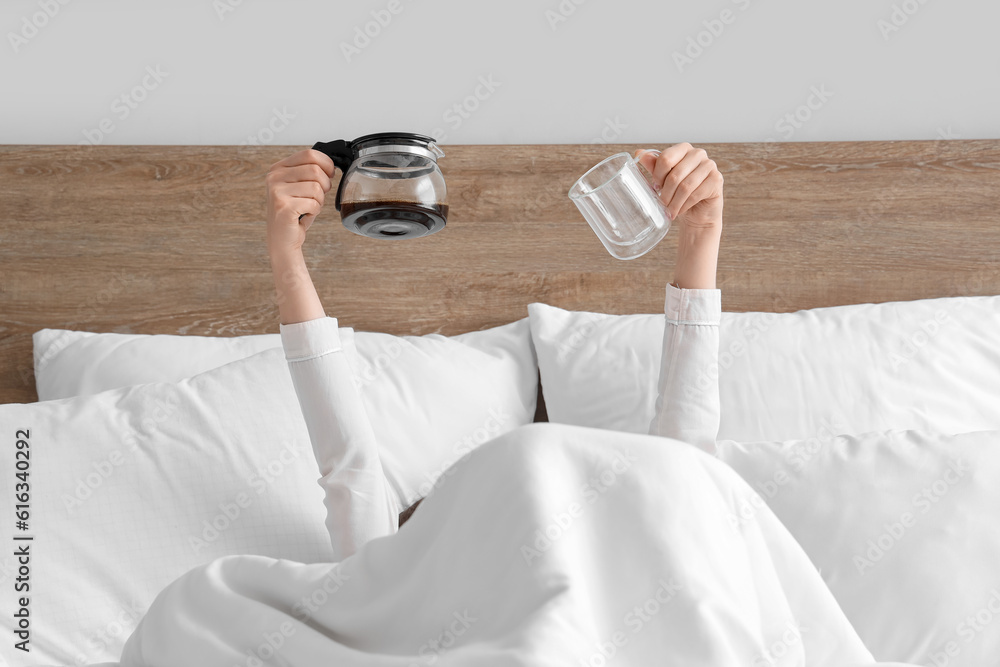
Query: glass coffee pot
point(391, 186)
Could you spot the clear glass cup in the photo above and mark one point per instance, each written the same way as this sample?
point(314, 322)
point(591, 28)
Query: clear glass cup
point(618, 199)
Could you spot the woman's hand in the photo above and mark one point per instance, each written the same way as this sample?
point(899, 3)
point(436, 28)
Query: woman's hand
point(690, 185)
point(296, 186)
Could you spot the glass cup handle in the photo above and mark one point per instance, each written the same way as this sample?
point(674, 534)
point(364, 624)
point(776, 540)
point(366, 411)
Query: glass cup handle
point(645, 172)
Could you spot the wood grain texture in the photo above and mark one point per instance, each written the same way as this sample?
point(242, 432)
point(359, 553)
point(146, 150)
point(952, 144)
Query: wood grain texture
point(170, 239)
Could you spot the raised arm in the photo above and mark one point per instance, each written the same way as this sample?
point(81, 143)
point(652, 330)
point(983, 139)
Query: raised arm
point(359, 502)
point(687, 402)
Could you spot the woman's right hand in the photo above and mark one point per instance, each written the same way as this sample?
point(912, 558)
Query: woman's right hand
point(690, 185)
point(691, 189)
point(296, 189)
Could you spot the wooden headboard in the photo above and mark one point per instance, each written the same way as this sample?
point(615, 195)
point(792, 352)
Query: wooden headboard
point(170, 239)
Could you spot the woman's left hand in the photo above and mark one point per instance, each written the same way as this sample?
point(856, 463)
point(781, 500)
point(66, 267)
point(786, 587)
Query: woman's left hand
point(690, 185)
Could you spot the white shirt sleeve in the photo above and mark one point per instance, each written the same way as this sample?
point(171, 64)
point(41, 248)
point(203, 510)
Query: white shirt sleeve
point(360, 505)
point(687, 402)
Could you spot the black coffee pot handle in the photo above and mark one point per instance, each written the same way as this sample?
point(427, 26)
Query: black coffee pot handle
point(342, 154)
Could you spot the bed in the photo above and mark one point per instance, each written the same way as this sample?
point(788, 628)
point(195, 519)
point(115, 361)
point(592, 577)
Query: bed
point(170, 240)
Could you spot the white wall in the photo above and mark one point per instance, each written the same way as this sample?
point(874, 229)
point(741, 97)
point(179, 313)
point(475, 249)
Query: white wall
point(609, 67)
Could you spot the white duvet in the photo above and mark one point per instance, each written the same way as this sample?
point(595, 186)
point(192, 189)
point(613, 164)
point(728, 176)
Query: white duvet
point(610, 548)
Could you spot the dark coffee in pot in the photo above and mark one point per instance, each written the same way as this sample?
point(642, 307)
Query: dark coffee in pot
point(393, 219)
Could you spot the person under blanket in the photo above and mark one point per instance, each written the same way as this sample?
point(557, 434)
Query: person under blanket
point(508, 562)
point(361, 500)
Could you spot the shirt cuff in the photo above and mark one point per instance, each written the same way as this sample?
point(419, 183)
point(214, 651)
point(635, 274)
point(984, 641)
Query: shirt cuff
point(693, 306)
point(313, 338)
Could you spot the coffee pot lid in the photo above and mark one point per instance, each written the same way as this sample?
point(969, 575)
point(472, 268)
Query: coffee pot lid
point(406, 138)
point(396, 142)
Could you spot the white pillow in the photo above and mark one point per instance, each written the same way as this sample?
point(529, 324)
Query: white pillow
point(931, 364)
point(132, 487)
point(74, 363)
point(430, 398)
point(902, 526)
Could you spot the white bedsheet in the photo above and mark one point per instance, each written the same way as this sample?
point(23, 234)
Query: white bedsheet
point(544, 571)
